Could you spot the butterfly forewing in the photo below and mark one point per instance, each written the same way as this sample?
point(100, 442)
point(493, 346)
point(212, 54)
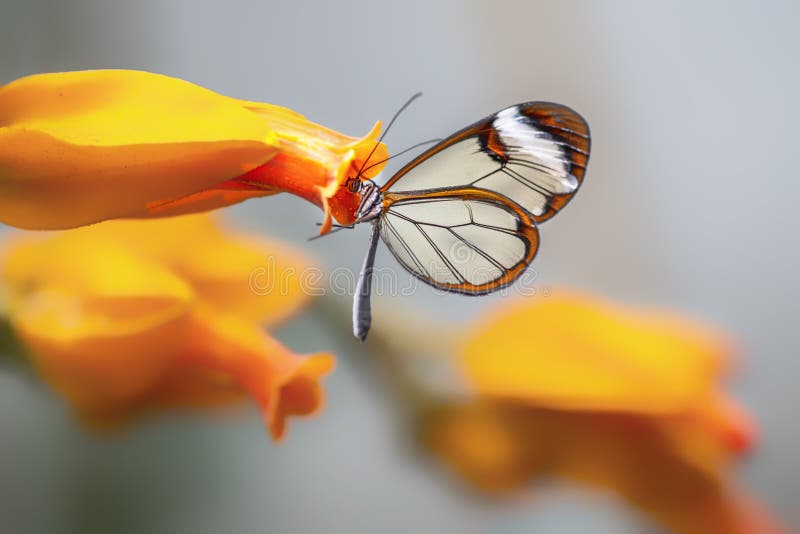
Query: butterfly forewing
point(533, 154)
point(464, 240)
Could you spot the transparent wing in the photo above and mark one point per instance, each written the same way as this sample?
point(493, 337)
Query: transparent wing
point(533, 154)
point(466, 241)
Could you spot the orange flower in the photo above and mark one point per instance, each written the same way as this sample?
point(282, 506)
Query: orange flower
point(122, 324)
point(579, 388)
point(81, 147)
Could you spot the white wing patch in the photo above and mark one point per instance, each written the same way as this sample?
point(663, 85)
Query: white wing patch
point(454, 241)
point(539, 149)
point(537, 166)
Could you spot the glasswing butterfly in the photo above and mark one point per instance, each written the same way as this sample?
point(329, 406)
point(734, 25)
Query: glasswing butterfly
point(463, 215)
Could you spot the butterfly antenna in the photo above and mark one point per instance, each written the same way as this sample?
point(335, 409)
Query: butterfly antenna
point(409, 149)
point(388, 127)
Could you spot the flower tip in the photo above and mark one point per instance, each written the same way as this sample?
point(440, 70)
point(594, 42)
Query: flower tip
point(740, 430)
point(374, 133)
point(327, 223)
point(298, 394)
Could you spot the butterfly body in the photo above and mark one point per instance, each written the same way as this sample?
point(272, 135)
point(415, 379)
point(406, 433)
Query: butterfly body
point(463, 215)
point(371, 202)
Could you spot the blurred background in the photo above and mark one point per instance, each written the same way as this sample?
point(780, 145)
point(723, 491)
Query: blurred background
point(688, 203)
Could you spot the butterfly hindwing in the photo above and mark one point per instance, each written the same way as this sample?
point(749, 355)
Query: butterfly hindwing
point(467, 241)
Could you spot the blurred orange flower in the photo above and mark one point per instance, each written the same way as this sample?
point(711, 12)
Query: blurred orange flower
point(82, 147)
point(125, 318)
point(576, 387)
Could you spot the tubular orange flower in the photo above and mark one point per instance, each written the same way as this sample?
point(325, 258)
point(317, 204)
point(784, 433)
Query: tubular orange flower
point(81, 147)
point(577, 387)
point(122, 324)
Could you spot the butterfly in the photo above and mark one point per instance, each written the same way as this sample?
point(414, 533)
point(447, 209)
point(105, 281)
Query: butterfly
point(463, 216)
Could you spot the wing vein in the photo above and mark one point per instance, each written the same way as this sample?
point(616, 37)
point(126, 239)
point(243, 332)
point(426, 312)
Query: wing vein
point(538, 166)
point(455, 272)
point(511, 173)
point(412, 221)
point(406, 246)
point(474, 247)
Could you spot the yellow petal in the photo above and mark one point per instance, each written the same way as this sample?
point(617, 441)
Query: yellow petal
point(501, 447)
point(106, 328)
point(236, 273)
point(128, 318)
point(482, 443)
point(233, 272)
point(260, 280)
point(81, 147)
point(575, 352)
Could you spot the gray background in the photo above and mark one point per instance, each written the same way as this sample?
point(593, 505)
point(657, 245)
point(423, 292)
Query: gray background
point(689, 203)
